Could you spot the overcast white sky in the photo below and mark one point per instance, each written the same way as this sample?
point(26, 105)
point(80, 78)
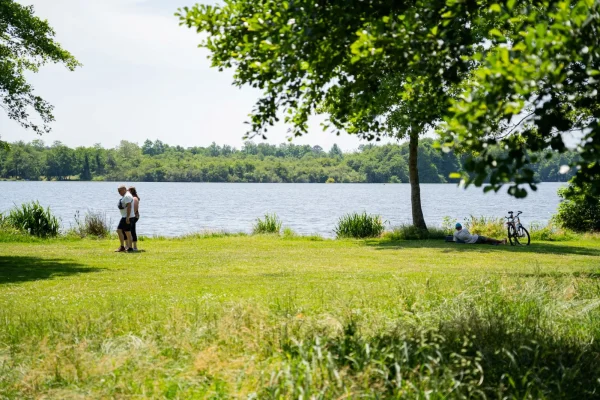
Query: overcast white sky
point(142, 77)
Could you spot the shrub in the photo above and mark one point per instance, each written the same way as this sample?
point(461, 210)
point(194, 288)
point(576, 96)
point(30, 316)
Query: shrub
point(359, 226)
point(486, 226)
point(550, 232)
point(33, 219)
point(271, 224)
point(579, 211)
point(410, 232)
point(94, 224)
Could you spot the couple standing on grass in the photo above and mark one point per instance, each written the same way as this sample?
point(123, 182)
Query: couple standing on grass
point(129, 205)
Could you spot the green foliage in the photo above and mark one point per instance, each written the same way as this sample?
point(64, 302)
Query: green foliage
point(513, 76)
point(252, 163)
point(487, 226)
point(580, 209)
point(33, 219)
point(271, 224)
point(289, 233)
point(551, 233)
point(449, 225)
point(27, 44)
point(94, 224)
point(359, 226)
point(411, 232)
point(535, 82)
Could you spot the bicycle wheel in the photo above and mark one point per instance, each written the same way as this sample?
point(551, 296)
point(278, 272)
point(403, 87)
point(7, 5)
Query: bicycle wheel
point(523, 236)
point(512, 236)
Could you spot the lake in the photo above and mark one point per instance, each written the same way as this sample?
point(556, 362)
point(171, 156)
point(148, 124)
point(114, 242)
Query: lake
point(173, 209)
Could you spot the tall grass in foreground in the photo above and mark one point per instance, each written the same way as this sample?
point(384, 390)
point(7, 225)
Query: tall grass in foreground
point(359, 226)
point(492, 341)
point(33, 219)
point(271, 224)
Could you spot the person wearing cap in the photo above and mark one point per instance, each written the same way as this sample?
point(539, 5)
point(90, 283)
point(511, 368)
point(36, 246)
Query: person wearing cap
point(463, 235)
point(125, 224)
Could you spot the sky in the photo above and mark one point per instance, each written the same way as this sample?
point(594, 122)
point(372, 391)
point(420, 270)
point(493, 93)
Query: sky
point(143, 76)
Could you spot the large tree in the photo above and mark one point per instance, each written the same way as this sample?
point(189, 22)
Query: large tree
point(26, 43)
point(532, 69)
point(374, 66)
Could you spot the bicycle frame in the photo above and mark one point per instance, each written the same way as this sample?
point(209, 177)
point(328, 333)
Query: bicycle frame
point(515, 222)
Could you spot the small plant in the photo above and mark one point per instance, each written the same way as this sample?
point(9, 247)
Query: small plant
point(448, 225)
point(269, 225)
point(359, 226)
point(289, 232)
point(33, 219)
point(94, 224)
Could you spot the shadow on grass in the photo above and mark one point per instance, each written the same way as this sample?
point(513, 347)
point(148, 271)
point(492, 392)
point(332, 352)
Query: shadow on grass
point(15, 269)
point(540, 248)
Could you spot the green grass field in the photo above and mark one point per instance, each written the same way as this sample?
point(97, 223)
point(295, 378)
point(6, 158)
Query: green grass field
point(267, 317)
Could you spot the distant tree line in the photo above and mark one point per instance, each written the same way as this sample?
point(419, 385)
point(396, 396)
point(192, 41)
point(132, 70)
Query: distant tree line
point(156, 161)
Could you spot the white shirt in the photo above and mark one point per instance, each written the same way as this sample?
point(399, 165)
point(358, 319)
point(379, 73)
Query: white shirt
point(465, 236)
point(127, 199)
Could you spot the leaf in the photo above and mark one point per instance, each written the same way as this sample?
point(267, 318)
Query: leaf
point(495, 32)
point(495, 8)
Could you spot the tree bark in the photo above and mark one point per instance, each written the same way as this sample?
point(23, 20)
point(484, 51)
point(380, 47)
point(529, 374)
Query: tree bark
point(415, 189)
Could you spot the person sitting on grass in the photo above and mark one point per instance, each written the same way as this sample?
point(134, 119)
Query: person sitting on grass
point(463, 235)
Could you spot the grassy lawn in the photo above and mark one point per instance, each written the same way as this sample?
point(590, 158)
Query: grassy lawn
point(266, 317)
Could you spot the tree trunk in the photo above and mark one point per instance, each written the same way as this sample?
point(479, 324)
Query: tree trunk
point(415, 189)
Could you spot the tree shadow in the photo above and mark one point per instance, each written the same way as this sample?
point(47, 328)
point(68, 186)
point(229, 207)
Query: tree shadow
point(539, 248)
point(16, 269)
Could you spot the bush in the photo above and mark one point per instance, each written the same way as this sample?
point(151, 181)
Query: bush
point(271, 224)
point(410, 232)
point(579, 211)
point(33, 219)
point(486, 226)
point(550, 232)
point(94, 224)
point(359, 226)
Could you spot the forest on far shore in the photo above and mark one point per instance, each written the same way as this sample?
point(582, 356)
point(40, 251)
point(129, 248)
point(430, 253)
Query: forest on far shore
point(156, 161)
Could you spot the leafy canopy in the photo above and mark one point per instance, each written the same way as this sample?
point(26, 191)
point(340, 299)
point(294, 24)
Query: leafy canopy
point(540, 80)
point(374, 66)
point(26, 44)
point(514, 76)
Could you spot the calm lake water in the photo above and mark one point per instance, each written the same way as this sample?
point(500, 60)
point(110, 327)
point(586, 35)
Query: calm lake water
point(173, 209)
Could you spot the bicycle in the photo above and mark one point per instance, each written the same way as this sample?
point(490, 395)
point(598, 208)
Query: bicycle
point(517, 234)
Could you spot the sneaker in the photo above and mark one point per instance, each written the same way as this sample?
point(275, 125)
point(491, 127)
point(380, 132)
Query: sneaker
point(120, 250)
point(130, 250)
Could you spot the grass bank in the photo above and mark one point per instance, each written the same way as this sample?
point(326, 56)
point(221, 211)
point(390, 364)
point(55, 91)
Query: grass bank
point(269, 317)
